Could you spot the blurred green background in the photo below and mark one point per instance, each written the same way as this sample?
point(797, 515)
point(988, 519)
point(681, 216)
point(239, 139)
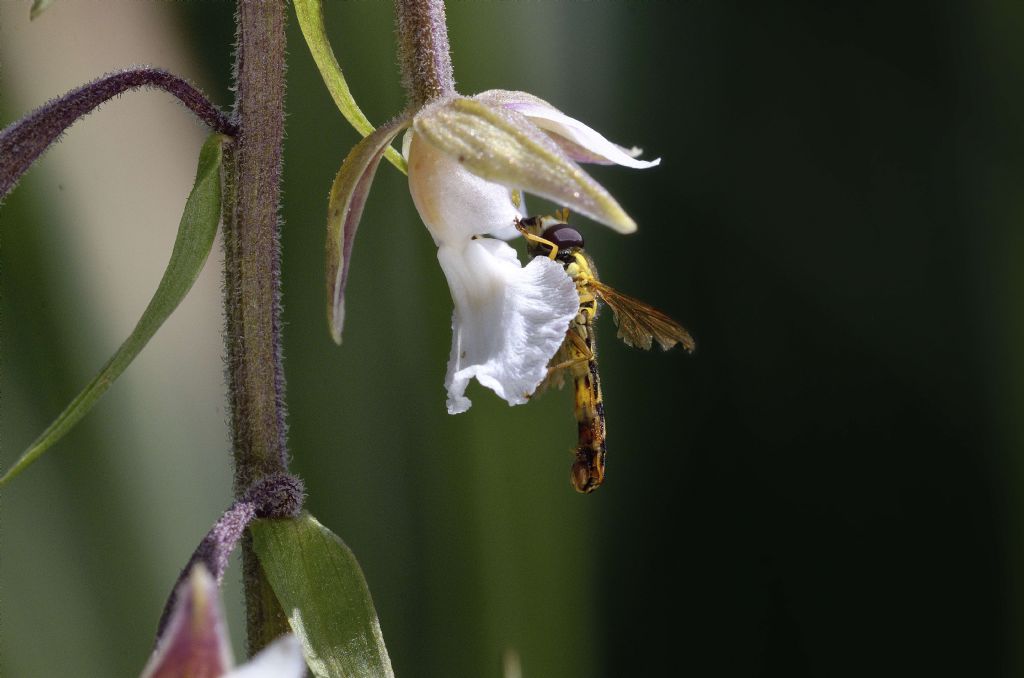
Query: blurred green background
point(830, 486)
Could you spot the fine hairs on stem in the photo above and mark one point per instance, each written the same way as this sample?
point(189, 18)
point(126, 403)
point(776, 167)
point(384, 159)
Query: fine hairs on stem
point(252, 246)
point(23, 142)
point(252, 282)
point(424, 54)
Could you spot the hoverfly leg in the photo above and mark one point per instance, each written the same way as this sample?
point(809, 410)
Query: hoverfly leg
point(585, 354)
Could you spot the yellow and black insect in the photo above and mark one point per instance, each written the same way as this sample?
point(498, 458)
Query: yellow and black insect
point(639, 325)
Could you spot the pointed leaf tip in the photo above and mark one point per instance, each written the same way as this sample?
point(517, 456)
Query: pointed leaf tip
point(38, 7)
point(192, 246)
point(345, 208)
point(322, 590)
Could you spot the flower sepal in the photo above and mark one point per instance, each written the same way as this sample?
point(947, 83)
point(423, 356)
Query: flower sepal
point(195, 642)
point(344, 209)
point(580, 142)
point(503, 146)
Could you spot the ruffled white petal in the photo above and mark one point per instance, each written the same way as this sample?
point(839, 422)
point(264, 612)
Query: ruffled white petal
point(550, 119)
point(454, 203)
point(281, 659)
point(508, 321)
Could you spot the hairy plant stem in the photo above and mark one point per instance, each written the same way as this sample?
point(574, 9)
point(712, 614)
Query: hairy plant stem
point(22, 142)
point(424, 54)
point(252, 282)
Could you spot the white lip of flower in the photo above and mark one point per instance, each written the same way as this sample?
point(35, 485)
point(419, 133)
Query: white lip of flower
point(195, 640)
point(466, 155)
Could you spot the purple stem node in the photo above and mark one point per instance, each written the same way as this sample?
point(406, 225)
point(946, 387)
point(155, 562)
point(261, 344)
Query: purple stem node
point(278, 495)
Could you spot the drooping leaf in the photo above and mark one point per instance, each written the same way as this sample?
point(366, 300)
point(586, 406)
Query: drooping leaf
point(192, 246)
point(502, 145)
point(311, 21)
point(344, 208)
point(38, 7)
point(322, 590)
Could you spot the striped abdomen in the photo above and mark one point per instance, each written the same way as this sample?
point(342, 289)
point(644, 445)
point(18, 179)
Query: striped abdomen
point(588, 470)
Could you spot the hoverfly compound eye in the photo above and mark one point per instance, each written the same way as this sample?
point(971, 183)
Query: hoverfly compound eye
point(564, 236)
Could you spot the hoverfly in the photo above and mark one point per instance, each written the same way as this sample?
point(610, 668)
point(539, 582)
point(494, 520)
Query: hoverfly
point(639, 325)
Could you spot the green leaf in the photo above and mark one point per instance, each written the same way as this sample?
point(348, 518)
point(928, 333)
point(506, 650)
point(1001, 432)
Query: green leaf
point(191, 248)
point(38, 7)
point(311, 21)
point(322, 590)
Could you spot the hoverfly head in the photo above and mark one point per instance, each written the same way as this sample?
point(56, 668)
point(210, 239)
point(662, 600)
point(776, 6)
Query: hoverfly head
point(566, 238)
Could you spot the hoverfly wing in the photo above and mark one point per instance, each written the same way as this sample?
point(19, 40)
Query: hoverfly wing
point(640, 323)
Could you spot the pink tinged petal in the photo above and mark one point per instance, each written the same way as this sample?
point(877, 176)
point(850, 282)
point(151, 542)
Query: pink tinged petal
point(508, 320)
point(281, 659)
point(454, 203)
point(195, 641)
point(579, 141)
point(503, 146)
point(344, 209)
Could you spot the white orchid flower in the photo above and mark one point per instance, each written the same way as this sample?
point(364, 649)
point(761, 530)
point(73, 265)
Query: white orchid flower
point(466, 157)
point(195, 643)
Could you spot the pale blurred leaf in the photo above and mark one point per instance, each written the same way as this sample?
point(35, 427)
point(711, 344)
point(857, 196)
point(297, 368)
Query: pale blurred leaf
point(196, 231)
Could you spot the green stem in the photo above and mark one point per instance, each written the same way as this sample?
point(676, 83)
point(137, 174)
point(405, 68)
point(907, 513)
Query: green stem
point(252, 280)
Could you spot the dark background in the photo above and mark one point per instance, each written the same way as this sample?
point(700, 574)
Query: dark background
point(827, 487)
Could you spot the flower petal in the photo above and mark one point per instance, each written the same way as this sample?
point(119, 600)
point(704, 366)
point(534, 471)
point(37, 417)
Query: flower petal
point(454, 203)
point(581, 142)
point(345, 207)
point(281, 659)
point(503, 146)
point(195, 640)
point(508, 320)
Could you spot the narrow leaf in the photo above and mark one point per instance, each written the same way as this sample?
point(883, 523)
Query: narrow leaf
point(38, 7)
point(191, 248)
point(311, 21)
point(322, 590)
point(503, 146)
point(344, 209)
